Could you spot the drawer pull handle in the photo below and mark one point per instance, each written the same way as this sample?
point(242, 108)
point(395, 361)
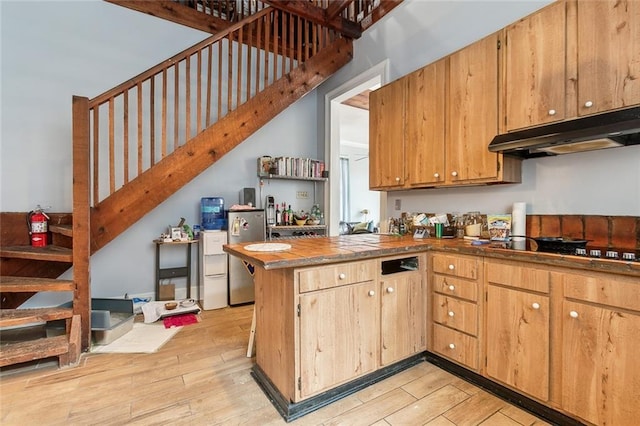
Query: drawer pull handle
point(452, 287)
point(452, 346)
point(535, 305)
point(573, 314)
point(389, 289)
point(372, 293)
point(451, 313)
point(452, 267)
point(342, 276)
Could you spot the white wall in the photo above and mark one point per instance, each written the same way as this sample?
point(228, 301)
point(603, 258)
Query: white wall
point(53, 50)
point(417, 33)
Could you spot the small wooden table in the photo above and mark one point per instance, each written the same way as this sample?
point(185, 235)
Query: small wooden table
point(183, 271)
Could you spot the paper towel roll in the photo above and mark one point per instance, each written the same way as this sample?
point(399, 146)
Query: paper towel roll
point(519, 220)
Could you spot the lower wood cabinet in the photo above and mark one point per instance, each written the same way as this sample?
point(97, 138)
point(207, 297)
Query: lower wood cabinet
point(356, 317)
point(402, 298)
point(455, 315)
point(518, 327)
point(600, 348)
point(346, 346)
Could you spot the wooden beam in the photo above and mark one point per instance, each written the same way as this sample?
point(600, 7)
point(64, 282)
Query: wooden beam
point(175, 12)
point(336, 7)
point(317, 15)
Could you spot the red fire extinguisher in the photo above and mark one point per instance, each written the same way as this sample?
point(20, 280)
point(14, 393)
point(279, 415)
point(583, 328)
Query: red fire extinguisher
point(38, 224)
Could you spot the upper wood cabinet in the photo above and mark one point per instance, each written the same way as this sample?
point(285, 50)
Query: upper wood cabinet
point(425, 125)
point(608, 55)
point(433, 126)
point(386, 136)
point(570, 59)
point(472, 117)
point(534, 78)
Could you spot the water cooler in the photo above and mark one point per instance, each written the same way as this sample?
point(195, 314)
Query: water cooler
point(213, 279)
point(213, 284)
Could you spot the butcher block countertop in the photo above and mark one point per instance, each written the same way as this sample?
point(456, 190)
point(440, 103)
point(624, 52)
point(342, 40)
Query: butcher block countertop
point(326, 250)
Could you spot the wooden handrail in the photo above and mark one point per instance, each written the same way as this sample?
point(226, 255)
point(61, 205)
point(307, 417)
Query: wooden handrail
point(143, 120)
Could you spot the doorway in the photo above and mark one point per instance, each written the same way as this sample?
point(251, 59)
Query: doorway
point(347, 127)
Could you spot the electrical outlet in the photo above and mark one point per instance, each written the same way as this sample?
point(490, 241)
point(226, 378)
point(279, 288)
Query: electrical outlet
point(302, 195)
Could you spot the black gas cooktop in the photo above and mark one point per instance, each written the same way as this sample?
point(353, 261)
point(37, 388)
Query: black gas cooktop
point(573, 248)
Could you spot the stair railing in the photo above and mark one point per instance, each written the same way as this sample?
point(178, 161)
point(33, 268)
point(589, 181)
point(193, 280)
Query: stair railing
point(141, 121)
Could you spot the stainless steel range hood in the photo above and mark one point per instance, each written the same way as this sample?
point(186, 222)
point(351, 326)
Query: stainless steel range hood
point(600, 131)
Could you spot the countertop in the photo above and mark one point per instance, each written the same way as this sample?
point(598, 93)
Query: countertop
point(325, 250)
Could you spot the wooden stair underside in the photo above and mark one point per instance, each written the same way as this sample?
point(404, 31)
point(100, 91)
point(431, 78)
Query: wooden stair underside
point(66, 230)
point(34, 349)
point(17, 317)
point(49, 253)
point(31, 284)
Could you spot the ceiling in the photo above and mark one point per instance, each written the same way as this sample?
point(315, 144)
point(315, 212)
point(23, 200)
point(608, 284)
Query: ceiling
point(361, 100)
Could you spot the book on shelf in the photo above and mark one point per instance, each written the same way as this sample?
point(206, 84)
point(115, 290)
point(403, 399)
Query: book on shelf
point(290, 166)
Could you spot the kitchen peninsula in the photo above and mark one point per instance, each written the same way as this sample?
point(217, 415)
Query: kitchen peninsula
point(336, 314)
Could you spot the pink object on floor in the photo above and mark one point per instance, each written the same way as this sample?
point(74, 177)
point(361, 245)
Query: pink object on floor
point(180, 320)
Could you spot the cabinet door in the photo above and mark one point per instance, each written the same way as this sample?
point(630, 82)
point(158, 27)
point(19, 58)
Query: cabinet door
point(403, 316)
point(608, 55)
point(386, 135)
point(425, 123)
point(339, 330)
point(534, 83)
point(473, 112)
point(601, 378)
point(518, 340)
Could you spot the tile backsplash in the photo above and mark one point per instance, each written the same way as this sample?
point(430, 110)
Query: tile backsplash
point(621, 232)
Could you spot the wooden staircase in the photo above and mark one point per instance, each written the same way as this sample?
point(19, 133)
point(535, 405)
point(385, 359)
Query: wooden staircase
point(196, 107)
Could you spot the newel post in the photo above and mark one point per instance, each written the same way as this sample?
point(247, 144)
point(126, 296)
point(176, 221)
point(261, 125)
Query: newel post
point(81, 216)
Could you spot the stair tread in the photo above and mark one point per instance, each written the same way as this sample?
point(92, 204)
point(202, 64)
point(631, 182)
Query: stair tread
point(62, 229)
point(48, 253)
point(30, 350)
point(14, 317)
point(10, 284)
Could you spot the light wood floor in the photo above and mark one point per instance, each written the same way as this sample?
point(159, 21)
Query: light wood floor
point(201, 377)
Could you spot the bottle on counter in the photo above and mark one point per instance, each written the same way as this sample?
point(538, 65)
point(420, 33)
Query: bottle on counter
point(290, 215)
point(278, 215)
point(285, 215)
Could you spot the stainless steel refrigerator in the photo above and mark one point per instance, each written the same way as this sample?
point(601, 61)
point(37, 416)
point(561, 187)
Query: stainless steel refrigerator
point(244, 226)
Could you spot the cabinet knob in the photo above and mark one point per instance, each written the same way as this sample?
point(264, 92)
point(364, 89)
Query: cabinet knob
point(454, 174)
point(452, 346)
point(397, 179)
point(436, 175)
point(389, 289)
point(451, 313)
point(452, 267)
point(573, 314)
point(342, 276)
point(535, 305)
point(452, 287)
point(552, 112)
point(372, 293)
point(588, 104)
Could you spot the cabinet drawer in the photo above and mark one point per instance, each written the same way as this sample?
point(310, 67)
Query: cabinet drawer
point(456, 313)
point(212, 242)
point(451, 286)
point(317, 278)
point(456, 346)
point(613, 291)
point(512, 275)
point(457, 266)
point(214, 264)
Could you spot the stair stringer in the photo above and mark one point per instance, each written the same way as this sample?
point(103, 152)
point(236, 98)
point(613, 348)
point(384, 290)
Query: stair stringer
point(115, 214)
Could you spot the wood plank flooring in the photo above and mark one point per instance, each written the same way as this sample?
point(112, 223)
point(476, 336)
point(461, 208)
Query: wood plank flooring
point(201, 377)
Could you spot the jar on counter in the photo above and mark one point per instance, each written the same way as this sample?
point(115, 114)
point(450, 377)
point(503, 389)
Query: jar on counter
point(473, 224)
